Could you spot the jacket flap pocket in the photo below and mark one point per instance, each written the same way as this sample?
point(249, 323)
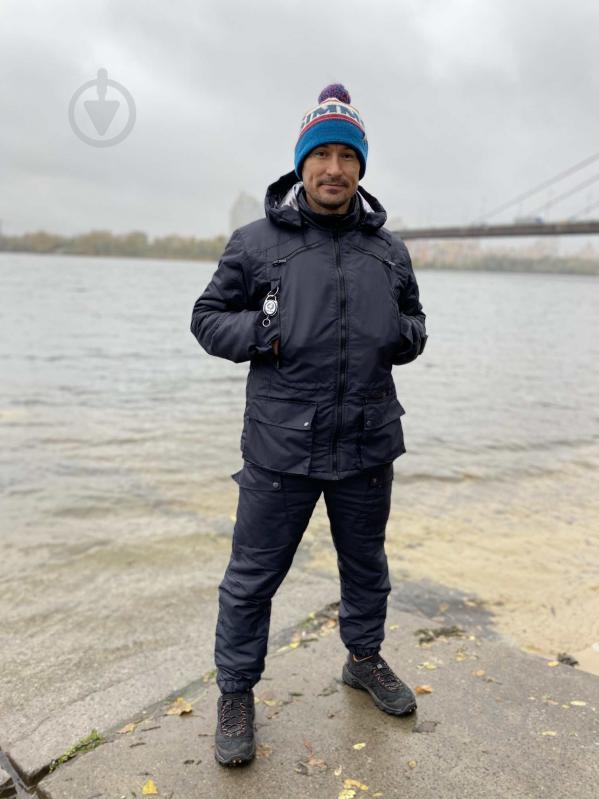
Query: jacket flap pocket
point(283, 413)
point(257, 479)
point(381, 413)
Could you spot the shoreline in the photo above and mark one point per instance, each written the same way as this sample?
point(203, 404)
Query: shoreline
point(509, 264)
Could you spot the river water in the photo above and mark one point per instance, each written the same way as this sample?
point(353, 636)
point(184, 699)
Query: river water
point(119, 436)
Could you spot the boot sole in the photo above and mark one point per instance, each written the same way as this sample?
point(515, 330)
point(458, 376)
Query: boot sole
point(238, 759)
point(353, 682)
point(235, 760)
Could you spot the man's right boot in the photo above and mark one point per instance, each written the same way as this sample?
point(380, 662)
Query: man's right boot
point(234, 741)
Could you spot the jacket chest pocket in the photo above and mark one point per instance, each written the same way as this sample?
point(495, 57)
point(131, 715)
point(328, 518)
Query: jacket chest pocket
point(382, 439)
point(279, 434)
point(296, 277)
point(388, 266)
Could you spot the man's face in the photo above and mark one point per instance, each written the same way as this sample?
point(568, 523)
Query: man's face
point(331, 173)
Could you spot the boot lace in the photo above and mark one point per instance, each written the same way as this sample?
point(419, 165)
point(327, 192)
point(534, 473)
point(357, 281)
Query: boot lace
point(385, 674)
point(233, 715)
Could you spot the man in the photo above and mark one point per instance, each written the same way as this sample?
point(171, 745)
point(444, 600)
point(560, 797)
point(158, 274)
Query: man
point(323, 301)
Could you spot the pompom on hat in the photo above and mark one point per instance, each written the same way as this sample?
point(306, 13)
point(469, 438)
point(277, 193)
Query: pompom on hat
point(333, 120)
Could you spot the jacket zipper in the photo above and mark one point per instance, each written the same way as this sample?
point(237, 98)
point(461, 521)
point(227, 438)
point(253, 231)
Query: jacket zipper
point(386, 261)
point(343, 354)
point(293, 253)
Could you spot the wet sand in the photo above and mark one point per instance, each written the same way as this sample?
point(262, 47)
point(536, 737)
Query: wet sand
point(528, 550)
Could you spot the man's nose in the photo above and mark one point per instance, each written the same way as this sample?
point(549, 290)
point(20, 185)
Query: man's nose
point(334, 165)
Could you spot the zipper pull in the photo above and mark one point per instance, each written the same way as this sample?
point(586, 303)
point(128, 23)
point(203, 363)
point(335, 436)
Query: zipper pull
point(279, 261)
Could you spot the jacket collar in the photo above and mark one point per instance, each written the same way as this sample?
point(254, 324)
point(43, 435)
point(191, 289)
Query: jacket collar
point(281, 204)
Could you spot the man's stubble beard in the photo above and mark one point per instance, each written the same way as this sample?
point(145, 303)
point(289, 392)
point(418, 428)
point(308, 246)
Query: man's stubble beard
point(331, 205)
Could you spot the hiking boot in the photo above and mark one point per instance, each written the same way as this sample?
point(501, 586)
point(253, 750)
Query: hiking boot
point(234, 741)
point(374, 675)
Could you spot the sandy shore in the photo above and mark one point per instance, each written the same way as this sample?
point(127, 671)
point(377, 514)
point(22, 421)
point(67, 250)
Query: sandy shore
point(528, 550)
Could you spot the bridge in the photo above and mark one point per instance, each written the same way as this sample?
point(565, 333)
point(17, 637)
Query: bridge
point(533, 224)
point(482, 231)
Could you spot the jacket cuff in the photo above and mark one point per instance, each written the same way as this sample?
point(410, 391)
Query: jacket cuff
point(265, 335)
point(406, 342)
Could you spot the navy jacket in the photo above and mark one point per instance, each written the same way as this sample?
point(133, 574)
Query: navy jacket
point(346, 310)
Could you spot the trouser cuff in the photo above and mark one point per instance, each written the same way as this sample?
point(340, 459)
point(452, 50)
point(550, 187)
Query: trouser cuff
point(361, 652)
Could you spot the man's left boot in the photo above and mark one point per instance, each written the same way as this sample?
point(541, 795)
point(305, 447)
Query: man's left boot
point(374, 675)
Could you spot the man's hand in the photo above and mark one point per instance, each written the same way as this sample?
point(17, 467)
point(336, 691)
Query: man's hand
point(275, 346)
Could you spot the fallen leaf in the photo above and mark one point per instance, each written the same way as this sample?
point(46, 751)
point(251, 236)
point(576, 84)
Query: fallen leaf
point(338, 771)
point(359, 746)
point(263, 750)
point(551, 733)
point(427, 665)
point(479, 673)
point(578, 703)
point(179, 707)
point(378, 793)
point(347, 793)
point(271, 702)
point(424, 689)
point(328, 625)
point(150, 789)
point(294, 645)
point(553, 663)
point(312, 762)
point(355, 784)
point(127, 728)
point(412, 763)
point(394, 627)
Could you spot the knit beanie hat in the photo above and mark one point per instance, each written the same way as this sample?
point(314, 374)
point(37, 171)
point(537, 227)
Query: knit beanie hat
point(333, 120)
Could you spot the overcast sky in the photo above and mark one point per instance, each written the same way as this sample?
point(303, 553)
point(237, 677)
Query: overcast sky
point(466, 103)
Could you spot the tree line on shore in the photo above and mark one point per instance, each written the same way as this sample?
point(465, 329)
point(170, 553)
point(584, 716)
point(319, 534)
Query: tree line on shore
point(448, 255)
point(128, 245)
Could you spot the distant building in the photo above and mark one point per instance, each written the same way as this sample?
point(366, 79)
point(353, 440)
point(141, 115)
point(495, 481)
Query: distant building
point(245, 209)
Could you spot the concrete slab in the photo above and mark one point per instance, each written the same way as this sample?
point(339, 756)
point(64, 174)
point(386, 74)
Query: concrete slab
point(498, 723)
point(37, 726)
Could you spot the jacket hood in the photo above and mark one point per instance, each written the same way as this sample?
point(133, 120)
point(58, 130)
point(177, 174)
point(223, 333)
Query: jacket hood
point(281, 204)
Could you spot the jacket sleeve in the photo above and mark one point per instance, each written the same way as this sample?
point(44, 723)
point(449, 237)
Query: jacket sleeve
point(222, 320)
point(412, 318)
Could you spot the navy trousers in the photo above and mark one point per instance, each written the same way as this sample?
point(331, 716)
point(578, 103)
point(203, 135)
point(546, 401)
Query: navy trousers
point(272, 515)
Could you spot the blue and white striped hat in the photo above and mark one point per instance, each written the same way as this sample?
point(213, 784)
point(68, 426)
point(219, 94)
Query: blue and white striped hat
point(333, 120)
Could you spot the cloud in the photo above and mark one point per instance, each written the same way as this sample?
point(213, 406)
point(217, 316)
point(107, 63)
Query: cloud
point(466, 104)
